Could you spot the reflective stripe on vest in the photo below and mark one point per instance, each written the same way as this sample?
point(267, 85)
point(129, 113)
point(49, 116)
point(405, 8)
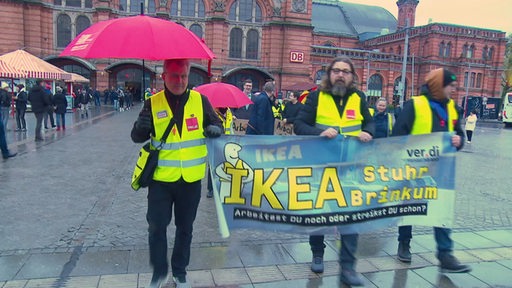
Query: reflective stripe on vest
point(181, 156)
point(391, 122)
point(327, 114)
point(423, 124)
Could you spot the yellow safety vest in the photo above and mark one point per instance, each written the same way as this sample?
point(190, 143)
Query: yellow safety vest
point(227, 121)
point(327, 115)
point(180, 156)
point(277, 111)
point(147, 95)
point(423, 124)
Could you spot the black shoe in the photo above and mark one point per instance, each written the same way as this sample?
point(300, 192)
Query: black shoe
point(350, 277)
point(404, 254)
point(24, 129)
point(39, 139)
point(209, 194)
point(9, 155)
point(450, 264)
point(317, 264)
point(158, 281)
point(17, 130)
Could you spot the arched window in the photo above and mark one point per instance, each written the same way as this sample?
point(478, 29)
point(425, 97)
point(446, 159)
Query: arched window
point(375, 86)
point(197, 29)
point(252, 44)
point(63, 30)
point(472, 83)
point(74, 3)
point(471, 51)
point(235, 43)
point(134, 6)
point(441, 49)
point(397, 90)
point(245, 11)
point(448, 50)
point(188, 8)
point(151, 6)
point(123, 5)
point(485, 52)
point(479, 80)
point(465, 50)
point(82, 23)
point(319, 75)
point(491, 53)
point(399, 50)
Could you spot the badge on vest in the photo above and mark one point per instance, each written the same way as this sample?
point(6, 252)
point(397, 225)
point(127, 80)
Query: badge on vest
point(351, 114)
point(192, 124)
point(161, 114)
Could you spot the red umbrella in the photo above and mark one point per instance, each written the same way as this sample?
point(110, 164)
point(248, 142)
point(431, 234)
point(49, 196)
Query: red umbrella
point(224, 95)
point(138, 37)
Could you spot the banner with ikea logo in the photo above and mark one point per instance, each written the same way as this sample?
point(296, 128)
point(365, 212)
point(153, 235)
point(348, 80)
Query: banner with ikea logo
point(316, 185)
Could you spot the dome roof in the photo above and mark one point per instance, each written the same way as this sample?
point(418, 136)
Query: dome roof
point(342, 18)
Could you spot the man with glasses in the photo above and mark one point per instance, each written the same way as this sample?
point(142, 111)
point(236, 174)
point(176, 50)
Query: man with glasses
point(338, 107)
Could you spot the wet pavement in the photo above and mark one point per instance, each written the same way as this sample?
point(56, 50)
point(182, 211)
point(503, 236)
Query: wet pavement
point(68, 218)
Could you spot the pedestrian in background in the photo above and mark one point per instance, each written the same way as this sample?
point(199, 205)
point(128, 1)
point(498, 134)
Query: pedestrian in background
point(39, 100)
point(21, 99)
point(384, 120)
point(338, 108)
point(6, 154)
point(245, 111)
point(261, 121)
point(5, 103)
point(50, 109)
point(470, 125)
point(432, 111)
point(175, 187)
point(291, 108)
point(61, 104)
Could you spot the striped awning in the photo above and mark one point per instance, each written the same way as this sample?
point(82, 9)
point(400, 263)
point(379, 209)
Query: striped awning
point(8, 71)
point(77, 78)
point(33, 66)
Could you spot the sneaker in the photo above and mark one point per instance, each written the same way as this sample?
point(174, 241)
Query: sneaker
point(317, 264)
point(24, 129)
point(17, 130)
point(350, 277)
point(209, 194)
point(181, 282)
point(404, 253)
point(450, 264)
point(157, 281)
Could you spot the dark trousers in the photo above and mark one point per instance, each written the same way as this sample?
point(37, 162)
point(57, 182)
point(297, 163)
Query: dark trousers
point(347, 251)
point(442, 235)
point(49, 114)
point(20, 119)
point(162, 198)
point(469, 133)
point(3, 141)
point(39, 124)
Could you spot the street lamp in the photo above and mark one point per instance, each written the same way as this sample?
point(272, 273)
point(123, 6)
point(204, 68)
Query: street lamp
point(467, 90)
point(404, 66)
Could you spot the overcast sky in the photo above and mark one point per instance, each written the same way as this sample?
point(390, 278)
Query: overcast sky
point(490, 14)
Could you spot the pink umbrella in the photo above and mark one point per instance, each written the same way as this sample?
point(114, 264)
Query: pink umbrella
point(224, 95)
point(138, 37)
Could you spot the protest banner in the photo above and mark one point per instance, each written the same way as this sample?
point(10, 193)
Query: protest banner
point(316, 185)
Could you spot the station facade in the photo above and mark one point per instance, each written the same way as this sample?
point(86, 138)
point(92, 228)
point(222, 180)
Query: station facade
point(288, 41)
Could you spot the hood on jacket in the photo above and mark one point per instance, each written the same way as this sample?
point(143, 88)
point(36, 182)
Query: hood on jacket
point(436, 81)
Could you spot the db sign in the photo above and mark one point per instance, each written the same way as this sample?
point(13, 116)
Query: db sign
point(296, 57)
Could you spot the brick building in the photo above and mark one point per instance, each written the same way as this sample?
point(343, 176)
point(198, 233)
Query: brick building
point(289, 41)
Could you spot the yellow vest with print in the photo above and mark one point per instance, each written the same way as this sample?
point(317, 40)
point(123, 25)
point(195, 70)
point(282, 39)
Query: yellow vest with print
point(180, 156)
point(423, 124)
point(327, 115)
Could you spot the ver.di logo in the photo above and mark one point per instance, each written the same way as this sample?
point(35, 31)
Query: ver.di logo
point(422, 155)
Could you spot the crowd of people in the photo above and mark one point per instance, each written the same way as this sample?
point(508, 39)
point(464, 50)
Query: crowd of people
point(179, 115)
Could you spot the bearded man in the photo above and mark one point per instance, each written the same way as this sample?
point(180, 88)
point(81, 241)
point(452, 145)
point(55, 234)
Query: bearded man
point(337, 108)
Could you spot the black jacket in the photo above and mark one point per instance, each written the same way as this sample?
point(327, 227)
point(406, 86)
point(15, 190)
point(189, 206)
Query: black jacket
point(21, 100)
point(305, 122)
point(177, 104)
point(5, 98)
point(291, 111)
point(405, 121)
point(60, 102)
point(39, 99)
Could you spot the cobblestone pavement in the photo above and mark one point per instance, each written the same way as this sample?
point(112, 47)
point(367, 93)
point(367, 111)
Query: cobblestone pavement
point(71, 193)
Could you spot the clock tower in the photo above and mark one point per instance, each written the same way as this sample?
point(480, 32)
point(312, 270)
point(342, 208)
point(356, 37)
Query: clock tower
point(406, 12)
